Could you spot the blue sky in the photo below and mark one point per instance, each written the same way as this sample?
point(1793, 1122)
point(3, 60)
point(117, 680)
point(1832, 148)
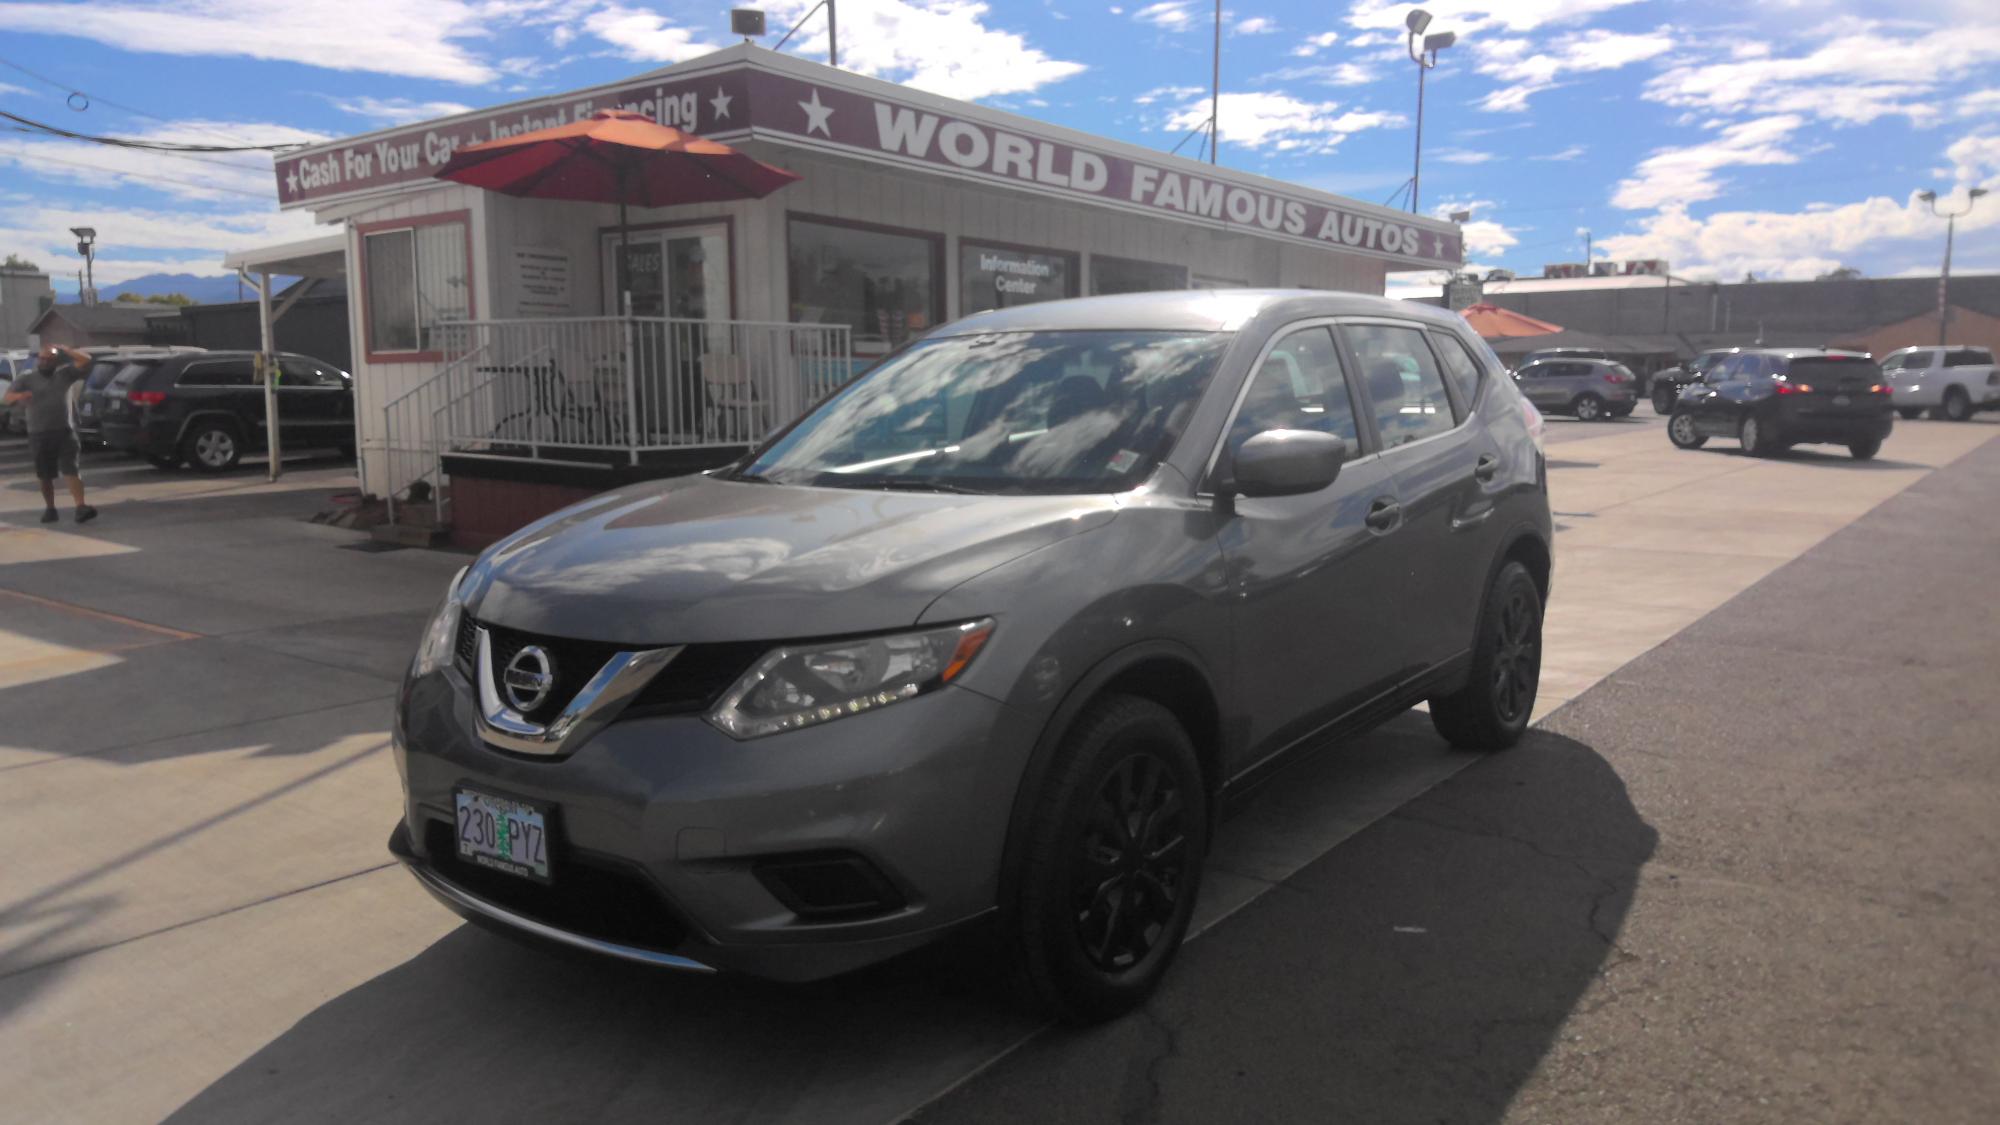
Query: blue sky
point(1781, 138)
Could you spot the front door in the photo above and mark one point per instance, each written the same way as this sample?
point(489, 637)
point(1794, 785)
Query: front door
point(1315, 629)
point(678, 279)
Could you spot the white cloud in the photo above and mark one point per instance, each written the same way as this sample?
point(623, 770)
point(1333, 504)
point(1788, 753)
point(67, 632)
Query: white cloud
point(1255, 25)
point(1676, 177)
point(1978, 103)
point(1482, 236)
point(943, 46)
point(10, 88)
point(210, 177)
point(646, 36)
point(1529, 72)
point(1328, 74)
point(397, 111)
point(1571, 153)
point(1280, 122)
point(1174, 15)
point(383, 36)
point(1461, 155)
point(1866, 71)
point(1814, 239)
point(1171, 93)
point(133, 242)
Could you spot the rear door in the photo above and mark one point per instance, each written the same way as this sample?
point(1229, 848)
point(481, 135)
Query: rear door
point(1539, 384)
point(223, 385)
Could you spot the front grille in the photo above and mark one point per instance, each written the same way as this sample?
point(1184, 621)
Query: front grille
point(466, 646)
point(692, 681)
point(575, 662)
point(589, 894)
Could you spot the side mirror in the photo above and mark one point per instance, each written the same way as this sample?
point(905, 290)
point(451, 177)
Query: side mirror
point(1288, 463)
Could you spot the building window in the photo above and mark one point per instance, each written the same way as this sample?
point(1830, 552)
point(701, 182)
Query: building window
point(883, 284)
point(416, 281)
point(994, 277)
point(1125, 275)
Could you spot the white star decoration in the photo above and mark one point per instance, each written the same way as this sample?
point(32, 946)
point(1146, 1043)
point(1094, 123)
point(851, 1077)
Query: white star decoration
point(292, 181)
point(816, 115)
point(720, 103)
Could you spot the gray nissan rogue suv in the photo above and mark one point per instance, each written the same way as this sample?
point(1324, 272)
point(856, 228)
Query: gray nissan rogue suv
point(992, 631)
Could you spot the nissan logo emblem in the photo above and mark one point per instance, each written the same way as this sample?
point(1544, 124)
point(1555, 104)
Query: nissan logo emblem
point(528, 678)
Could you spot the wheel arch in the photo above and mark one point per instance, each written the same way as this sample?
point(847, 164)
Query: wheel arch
point(228, 417)
point(1164, 672)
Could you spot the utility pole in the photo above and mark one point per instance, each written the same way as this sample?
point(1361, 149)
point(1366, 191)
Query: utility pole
point(832, 36)
point(1426, 59)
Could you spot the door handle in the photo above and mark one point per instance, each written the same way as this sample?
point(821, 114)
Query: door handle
point(1384, 513)
point(1486, 467)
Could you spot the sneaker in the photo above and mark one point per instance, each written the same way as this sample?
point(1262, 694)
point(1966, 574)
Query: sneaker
point(50, 516)
point(85, 514)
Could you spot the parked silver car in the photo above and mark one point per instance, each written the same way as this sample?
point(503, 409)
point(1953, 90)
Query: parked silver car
point(990, 634)
point(1590, 389)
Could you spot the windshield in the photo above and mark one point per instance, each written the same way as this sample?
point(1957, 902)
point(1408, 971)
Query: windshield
point(1003, 412)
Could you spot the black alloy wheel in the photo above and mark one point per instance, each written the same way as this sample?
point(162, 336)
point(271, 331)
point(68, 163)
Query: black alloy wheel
point(1682, 431)
point(1132, 865)
point(1113, 861)
point(1492, 709)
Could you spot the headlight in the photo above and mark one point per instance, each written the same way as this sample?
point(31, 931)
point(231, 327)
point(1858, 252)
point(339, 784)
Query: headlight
point(440, 634)
point(801, 685)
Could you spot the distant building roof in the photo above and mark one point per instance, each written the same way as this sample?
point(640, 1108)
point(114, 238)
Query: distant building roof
point(101, 317)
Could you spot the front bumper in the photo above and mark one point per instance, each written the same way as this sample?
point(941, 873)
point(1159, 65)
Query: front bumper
point(672, 827)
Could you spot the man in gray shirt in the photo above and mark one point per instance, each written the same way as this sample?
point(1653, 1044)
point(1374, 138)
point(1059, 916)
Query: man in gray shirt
point(50, 434)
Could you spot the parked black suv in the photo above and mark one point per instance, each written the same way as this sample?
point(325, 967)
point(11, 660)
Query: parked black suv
point(1773, 398)
point(207, 408)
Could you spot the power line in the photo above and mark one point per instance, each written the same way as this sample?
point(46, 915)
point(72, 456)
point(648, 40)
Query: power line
point(33, 126)
point(88, 99)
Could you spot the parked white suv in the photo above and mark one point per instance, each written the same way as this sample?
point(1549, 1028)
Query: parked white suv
point(1951, 382)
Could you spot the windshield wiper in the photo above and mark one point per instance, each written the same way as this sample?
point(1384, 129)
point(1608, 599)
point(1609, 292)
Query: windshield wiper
point(752, 478)
point(915, 484)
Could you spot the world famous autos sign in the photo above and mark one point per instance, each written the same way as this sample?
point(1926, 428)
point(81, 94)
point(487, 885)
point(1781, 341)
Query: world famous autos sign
point(744, 99)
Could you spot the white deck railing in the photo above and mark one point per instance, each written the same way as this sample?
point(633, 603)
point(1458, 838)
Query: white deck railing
point(588, 387)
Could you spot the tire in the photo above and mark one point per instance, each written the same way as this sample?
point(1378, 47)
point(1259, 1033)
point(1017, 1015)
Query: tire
point(164, 464)
point(1957, 406)
point(1682, 432)
point(212, 447)
point(1755, 441)
point(1491, 711)
point(1083, 878)
point(1865, 449)
point(1663, 398)
point(1588, 408)
point(1909, 413)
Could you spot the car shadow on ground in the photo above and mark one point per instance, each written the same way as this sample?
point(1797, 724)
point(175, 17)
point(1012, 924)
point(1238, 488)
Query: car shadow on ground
point(1416, 972)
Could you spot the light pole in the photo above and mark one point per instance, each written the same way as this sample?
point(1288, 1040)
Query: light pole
point(1950, 227)
point(86, 245)
point(1426, 59)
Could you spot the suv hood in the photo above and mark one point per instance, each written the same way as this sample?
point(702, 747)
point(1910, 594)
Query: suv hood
point(698, 559)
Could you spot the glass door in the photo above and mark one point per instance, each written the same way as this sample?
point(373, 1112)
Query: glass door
point(678, 280)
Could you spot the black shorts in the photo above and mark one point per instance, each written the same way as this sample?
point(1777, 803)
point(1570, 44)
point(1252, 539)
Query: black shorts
point(55, 454)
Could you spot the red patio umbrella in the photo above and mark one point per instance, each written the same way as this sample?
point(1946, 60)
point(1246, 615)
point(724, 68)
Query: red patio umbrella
point(1495, 323)
point(615, 156)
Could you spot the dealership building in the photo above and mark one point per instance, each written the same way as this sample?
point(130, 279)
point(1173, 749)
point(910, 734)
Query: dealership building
point(512, 354)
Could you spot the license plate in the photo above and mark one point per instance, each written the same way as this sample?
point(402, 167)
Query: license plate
point(1841, 400)
point(503, 834)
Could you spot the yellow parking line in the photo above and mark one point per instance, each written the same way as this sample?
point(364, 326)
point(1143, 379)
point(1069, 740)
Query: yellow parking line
point(175, 634)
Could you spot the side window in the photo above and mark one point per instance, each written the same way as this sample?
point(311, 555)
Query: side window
point(1405, 387)
point(298, 371)
point(1299, 386)
point(1965, 357)
point(1458, 364)
point(217, 373)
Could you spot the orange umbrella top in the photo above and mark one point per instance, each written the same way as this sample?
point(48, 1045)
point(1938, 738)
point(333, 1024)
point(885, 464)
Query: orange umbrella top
point(615, 156)
point(1494, 323)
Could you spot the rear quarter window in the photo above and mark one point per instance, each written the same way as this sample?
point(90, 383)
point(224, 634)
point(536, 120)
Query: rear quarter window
point(216, 373)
